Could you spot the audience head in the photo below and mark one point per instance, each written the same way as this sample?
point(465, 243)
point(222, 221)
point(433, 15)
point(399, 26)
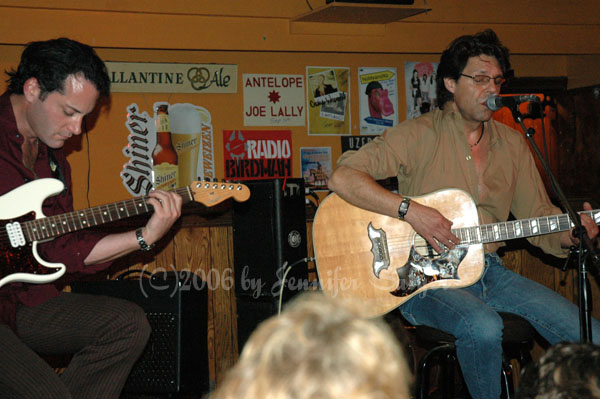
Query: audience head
point(319, 349)
point(565, 371)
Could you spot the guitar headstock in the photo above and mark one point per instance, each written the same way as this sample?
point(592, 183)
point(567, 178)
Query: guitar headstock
point(212, 193)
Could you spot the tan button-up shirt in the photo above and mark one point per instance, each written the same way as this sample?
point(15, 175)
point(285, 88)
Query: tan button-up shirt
point(431, 153)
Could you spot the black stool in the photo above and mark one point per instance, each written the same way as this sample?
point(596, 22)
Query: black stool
point(517, 341)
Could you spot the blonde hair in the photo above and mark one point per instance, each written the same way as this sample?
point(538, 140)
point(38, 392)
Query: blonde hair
point(319, 349)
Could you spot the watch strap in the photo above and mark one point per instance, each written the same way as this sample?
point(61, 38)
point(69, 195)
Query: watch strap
point(143, 244)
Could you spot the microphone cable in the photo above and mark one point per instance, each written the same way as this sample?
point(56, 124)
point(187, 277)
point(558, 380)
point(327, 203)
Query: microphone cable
point(284, 277)
point(542, 117)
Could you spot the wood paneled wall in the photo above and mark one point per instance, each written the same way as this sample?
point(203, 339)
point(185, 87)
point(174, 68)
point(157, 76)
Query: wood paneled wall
point(578, 128)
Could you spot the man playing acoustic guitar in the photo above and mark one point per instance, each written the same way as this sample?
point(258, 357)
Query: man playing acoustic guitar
point(460, 146)
point(56, 84)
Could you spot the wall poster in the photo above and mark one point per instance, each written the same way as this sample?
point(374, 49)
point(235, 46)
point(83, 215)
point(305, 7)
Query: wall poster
point(274, 100)
point(316, 167)
point(421, 86)
point(378, 94)
point(328, 100)
point(257, 154)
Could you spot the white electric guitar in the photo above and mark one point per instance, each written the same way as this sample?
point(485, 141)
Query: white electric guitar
point(23, 225)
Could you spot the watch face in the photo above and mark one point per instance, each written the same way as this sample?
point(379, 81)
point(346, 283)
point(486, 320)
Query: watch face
point(403, 208)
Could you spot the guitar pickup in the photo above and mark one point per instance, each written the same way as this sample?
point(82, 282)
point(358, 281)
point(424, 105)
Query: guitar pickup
point(15, 234)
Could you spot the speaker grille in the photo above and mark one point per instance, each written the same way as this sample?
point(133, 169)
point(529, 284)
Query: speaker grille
point(176, 356)
point(157, 369)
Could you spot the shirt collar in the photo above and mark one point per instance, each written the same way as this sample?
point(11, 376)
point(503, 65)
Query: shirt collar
point(450, 114)
point(10, 129)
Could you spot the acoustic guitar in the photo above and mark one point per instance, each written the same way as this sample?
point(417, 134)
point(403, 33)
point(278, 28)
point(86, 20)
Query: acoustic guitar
point(378, 262)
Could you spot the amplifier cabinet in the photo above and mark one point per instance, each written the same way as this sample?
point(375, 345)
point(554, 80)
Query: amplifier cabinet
point(176, 356)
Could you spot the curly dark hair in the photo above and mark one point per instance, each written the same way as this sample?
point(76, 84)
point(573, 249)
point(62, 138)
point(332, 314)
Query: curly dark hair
point(565, 371)
point(52, 61)
point(455, 58)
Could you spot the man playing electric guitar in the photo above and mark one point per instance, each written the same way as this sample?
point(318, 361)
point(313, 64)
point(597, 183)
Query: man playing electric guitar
point(460, 146)
point(56, 84)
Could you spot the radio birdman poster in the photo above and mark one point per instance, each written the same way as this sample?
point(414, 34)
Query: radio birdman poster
point(257, 154)
point(328, 100)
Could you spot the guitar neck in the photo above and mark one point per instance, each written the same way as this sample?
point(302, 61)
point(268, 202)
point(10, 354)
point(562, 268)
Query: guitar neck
point(54, 226)
point(503, 231)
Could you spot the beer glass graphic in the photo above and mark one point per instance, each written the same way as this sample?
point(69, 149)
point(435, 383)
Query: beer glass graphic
point(186, 130)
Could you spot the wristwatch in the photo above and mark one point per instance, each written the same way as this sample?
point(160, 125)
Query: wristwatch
point(143, 244)
point(403, 208)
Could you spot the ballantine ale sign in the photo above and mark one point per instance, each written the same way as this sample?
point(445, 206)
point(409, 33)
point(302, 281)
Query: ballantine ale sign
point(150, 77)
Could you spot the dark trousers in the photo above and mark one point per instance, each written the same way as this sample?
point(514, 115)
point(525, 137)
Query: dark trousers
point(105, 335)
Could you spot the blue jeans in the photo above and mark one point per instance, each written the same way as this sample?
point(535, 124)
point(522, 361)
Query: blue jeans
point(471, 315)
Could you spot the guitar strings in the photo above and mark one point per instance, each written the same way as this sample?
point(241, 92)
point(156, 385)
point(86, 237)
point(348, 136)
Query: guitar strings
point(405, 243)
point(54, 225)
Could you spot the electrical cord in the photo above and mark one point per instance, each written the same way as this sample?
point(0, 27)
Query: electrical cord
point(313, 195)
point(313, 200)
point(283, 278)
point(543, 115)
point(89, 162)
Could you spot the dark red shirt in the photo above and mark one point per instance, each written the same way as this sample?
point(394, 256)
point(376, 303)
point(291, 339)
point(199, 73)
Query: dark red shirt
point(70, 249)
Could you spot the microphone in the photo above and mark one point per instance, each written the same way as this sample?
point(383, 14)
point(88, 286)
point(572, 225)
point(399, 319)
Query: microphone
point(495, 102)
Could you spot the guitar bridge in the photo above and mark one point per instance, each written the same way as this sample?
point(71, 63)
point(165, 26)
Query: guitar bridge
point(381, 255)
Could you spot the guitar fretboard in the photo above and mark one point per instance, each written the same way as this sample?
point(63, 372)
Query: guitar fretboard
point(53, 226)
point(519, 228)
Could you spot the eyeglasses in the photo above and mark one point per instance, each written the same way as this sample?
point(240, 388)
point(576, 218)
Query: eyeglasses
point(484, 79)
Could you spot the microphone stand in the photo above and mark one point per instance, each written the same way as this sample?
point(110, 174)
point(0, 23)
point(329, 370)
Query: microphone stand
point(585, 320)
